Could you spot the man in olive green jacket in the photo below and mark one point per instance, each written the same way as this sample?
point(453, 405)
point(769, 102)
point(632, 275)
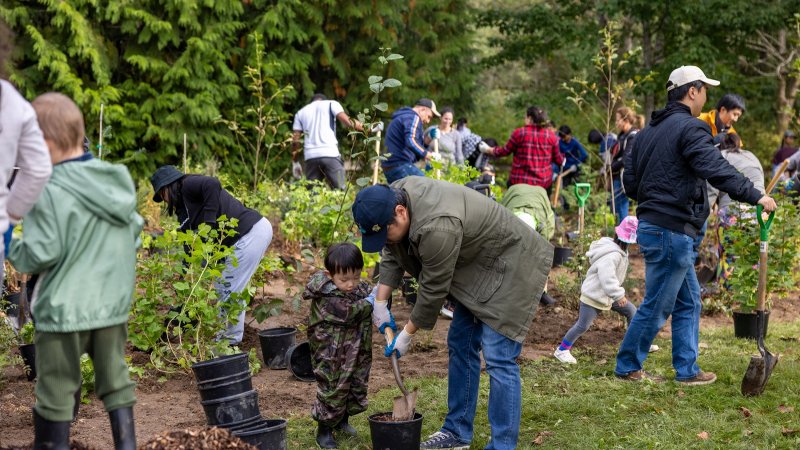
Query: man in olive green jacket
point(459, 244)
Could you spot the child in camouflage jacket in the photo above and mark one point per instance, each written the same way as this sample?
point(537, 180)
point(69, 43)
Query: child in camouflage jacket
point(340, 336)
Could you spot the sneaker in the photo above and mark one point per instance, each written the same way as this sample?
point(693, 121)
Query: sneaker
point(446, 313)
point(654, 348)
point(565, 356)
point(700, 379)
point(444, 439)
point(641, 375)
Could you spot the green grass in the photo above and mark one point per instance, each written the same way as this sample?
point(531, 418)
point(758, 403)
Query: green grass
point(584, 406)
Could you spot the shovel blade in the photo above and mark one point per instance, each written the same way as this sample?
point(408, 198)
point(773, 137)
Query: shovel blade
point(404, 407)
point(758, 373)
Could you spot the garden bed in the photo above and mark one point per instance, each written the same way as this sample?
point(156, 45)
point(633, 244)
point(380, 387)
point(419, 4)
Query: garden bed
point(173, 403)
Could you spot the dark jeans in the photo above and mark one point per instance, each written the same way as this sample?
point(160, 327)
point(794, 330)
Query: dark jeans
point(399, 172)
point(328, 169)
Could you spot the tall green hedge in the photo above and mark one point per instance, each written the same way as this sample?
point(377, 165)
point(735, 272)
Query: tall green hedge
point(169, 67)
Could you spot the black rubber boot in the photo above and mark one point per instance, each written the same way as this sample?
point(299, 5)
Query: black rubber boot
point(50, 435)
point(122, 428)
point(546, 300)
point(345, 427)
point(325, 437)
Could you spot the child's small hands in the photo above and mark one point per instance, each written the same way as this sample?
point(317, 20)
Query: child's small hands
point(371, 297)
point(622, 302)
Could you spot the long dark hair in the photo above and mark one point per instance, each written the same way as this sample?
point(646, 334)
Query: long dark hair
point(538, 115)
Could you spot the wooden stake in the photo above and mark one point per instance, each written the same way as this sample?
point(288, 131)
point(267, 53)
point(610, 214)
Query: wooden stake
point(436, 152)
point(100, 140)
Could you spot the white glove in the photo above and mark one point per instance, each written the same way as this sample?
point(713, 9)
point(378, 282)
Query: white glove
point(371, 297)
point(485, 148)
point(382, 317)
point(399, 345)
point(297, 170)
point(376, 127)
point(436, 156)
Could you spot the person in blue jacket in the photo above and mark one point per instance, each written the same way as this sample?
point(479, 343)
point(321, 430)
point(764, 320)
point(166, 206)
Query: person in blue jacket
point(405, 142)
point(574, 154)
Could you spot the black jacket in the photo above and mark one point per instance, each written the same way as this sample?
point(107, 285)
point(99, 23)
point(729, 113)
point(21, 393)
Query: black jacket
point(624, 145)
point(202, 200)
point(666, 170)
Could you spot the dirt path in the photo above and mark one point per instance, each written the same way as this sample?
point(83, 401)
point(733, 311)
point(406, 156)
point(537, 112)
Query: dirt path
point(175, 404)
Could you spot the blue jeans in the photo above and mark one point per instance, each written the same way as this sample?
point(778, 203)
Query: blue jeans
point(621, 202)
point(698, 240)
point(465, 340)
point(671, 288)
point(399, 172)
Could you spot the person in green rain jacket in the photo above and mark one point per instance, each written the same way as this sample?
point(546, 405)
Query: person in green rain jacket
point(461, 245)
point(81, 238)
point(530, 203)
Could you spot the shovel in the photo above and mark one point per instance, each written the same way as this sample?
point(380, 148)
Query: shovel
point(760, 368)
point(404, 405)
point(582, 191)
point(557, 190)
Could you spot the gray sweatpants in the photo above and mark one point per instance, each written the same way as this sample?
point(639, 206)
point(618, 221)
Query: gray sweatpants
point(587, 314)
point(249, 250)
point(326, 168)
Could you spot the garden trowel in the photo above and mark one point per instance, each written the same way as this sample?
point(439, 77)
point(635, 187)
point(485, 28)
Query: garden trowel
point(404, 405)
point(760, 368)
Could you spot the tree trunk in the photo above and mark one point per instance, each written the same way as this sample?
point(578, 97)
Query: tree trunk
point(648, 60)
point(787, 94)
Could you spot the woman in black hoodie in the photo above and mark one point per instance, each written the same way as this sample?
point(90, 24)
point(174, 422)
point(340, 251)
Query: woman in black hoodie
point(197, 199)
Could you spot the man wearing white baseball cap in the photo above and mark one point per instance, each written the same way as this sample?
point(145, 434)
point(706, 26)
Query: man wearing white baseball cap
point(666, 173)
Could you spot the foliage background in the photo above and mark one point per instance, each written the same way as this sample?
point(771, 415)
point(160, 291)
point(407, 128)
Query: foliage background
point(165, 68)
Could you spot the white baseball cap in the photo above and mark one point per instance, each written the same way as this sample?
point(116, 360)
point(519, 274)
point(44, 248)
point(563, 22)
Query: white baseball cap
point(686, 74)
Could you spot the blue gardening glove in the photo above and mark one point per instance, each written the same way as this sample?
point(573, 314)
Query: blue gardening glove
point(434, 133)
point(399, 345)
point(7, 239)
point(382, 317)
point(371, 297)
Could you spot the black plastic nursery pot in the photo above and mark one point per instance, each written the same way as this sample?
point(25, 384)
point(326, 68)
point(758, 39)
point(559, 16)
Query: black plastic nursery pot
point(225, 386)
point(234, 409)
point(12, 308)
point(220, 367)
point(267, 434)
point(28, 352)
point(561, 255)
point(242, 424)
point(745, 325)
point(275, 342)
point(299, 359)
point(388, 435)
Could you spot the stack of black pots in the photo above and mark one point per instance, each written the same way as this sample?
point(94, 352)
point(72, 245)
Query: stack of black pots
point(229, 401)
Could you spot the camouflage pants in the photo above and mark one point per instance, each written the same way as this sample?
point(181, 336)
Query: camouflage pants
point(342, 357)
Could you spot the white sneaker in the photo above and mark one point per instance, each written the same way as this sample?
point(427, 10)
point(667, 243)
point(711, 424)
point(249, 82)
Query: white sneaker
point(654, 348)
point(446, 312)
point(565, 356)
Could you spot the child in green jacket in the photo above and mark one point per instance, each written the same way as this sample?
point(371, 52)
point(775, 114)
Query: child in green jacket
point(81, 238)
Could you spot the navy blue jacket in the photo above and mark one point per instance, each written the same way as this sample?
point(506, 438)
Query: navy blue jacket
point(665, 172)
point(404, 139)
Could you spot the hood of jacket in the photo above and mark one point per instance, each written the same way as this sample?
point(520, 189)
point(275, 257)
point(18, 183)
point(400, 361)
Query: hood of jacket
point(105, 189)
point(403, 113)
point(601, 248)
point(672, 108)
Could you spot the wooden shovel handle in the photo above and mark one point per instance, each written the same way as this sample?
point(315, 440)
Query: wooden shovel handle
point(377, 160)
point(761, 291)
point(777, 176)
point(389, 334)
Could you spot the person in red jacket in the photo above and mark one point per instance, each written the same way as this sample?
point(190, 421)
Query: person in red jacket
point(534, 147)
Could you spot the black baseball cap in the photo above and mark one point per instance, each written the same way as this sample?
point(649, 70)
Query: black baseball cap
point(373, 209)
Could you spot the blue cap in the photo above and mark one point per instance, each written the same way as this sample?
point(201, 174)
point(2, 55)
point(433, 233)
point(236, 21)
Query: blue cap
point(373, 209)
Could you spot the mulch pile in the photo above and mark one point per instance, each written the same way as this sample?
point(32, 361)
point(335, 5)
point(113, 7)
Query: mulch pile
point(206, 439)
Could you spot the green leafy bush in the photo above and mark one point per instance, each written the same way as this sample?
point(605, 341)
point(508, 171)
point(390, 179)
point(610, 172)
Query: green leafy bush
point(176, 313)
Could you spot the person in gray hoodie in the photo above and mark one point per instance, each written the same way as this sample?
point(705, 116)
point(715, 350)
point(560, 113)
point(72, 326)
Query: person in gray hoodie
point(602, 289)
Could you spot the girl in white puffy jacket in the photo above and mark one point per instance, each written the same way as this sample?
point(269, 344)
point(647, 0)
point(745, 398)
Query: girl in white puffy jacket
point(602, 289)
